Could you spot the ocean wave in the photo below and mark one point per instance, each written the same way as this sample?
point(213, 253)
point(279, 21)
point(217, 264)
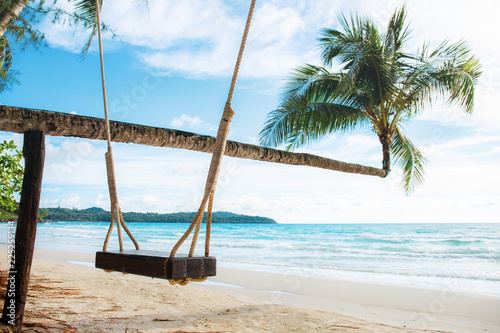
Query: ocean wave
point(406, 251)
point(378, 239)
point(158, 240)
point(237, 245)
point(459, 242)
point(450, 276)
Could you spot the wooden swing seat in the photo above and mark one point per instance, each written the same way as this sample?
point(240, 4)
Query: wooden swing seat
point(155, 264)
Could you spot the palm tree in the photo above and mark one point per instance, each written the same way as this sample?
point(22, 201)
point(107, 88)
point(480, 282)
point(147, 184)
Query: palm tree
point(9, 11)
point(19, 120)
point(18, 25)
point(379, 87)
point(15, 28)
point(86, 13)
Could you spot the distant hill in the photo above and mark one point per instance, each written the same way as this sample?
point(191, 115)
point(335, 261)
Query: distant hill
point(7, 216)
point(96, 214)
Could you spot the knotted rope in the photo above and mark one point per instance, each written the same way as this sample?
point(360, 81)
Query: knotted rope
point(116, 213)
point(213, 173)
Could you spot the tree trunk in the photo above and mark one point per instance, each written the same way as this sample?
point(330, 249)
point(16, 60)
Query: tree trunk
point(19, 120)
point(21, 255)
point(7, 15)
point(386, 152)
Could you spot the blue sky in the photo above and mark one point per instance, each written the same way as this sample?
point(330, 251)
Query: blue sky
point(171, 67)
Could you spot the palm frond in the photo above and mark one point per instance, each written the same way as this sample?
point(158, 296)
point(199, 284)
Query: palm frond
point(397, 33)
point(336, 44)
point(459, 75)
point(301, 78)
point(86, 9)
point(87, 12)
point(360, 48)
point(318, 85)
point(7, 75)
point(356, 38)
point(5, 54)
point(449, 73)
point(86, 15)
point(86, 47)
point(410, 159)
point(296, 122)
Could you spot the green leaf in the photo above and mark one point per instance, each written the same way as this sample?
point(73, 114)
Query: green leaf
point(11, 175)
point(410, 159)
point(297, 122)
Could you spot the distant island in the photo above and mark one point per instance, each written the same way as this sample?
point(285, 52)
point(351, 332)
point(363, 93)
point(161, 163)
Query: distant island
point(96, 214)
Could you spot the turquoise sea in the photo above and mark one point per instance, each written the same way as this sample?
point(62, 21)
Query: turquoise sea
point(462, 257)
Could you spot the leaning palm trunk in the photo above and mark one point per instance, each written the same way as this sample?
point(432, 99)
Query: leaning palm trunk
point(386, 152)
point(20, 120)
point(10, 14)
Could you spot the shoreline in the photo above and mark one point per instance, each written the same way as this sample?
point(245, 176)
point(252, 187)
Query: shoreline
point(388, 305)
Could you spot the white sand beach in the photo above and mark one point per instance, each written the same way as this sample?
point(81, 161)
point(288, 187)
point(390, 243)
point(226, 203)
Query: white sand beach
point(68, 295)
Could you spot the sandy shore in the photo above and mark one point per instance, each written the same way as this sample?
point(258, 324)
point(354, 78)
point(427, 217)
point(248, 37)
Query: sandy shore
point(67, 296)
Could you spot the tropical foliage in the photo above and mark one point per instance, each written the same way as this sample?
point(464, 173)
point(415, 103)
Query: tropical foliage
point(96, 214)
point(379, 87)
point(85, 15)
point(11, 175)
point(21, 30)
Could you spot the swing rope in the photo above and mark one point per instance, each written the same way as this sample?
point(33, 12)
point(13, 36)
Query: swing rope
point(116, 213)
point(213, 173)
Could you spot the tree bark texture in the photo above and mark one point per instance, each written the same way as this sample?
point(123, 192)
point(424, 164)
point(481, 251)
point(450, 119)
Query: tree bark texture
point(19, 120)
point(7, 15)
point(21, 255)
point(386, 153)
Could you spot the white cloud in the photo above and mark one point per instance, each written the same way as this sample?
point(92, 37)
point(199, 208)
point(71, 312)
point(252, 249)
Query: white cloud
point(354, 148)
point(192, 37)
point(66, 37)
point(191, 121)
point(187, 122)
point(199, 38)
point(51, 189)
point(275, 25)
point(470, 141)
point(69, 160)
point(169, 22)
point(16, 137)
point(73, 200)
point(102, 201)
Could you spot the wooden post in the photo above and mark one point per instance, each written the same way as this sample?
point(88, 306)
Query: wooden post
point(22, 254)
